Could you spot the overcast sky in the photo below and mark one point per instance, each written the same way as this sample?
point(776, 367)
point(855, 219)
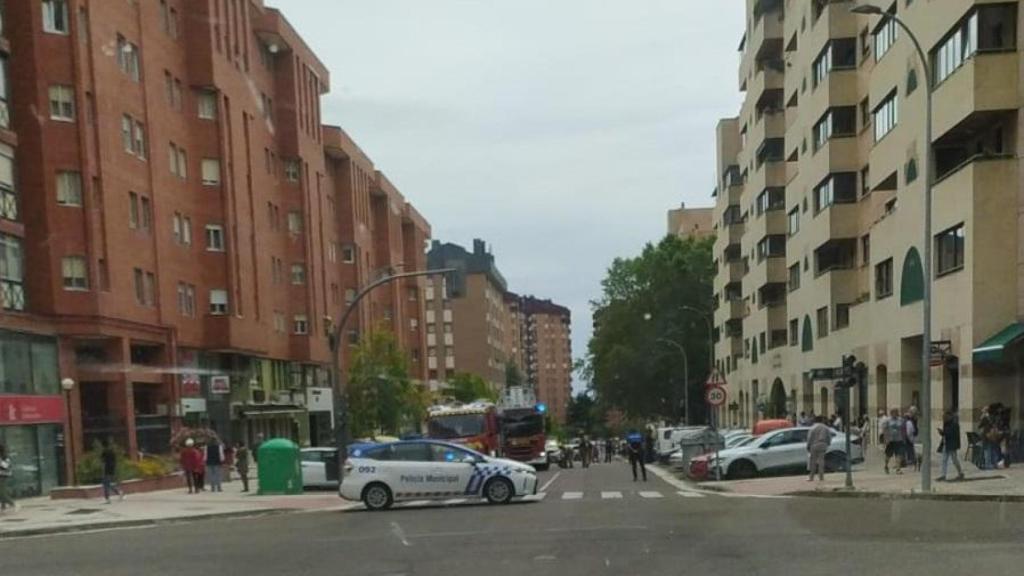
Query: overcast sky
point(558, 131)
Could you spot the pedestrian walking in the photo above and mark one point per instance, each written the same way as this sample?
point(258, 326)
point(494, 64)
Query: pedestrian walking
point(609, 449)
point(818, 440)
point(200, 472)
point(242, 464)
point(214, 460)
point(893, 435)
point(883, 421)
point(110, 482)
point(585, 452)
point(910, 437)
point(6, 471)
point(188, 459)
point(635, 450)
point(950, 433)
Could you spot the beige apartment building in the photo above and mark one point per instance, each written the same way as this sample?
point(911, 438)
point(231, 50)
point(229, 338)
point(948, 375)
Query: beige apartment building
point(819, 211)
point(466, 316)
point(690, 222)
point(547, 353)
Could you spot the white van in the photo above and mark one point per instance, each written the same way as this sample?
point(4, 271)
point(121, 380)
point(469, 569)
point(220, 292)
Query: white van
point(668, 439)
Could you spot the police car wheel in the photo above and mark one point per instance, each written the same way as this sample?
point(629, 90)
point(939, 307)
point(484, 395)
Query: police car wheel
point(377, 497)
point(499, 491)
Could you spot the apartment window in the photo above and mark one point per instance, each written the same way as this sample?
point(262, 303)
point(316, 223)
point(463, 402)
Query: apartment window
point(126, 133)
point(211, 172)
point(186, 299)
point(350, 295)
point(949, 250)
point(771, 246)
point(178, 159)
point(215, 238)
point(348, 254)
point(837, 188)
point(176, 102)
point(883, 279)
point(128, 58)
point(839, 121)
point(186, 231)
point(176, 227)
point(12, 291)
point(865, 249)
point(133, 210)
point(771, 199)
point(8, 197)
point(279, 324)
point(55, 16)
point(206, 104)
point(139, 141)
point(145, 213)
point(793, 221)
point(73, 270)
point(885, 116)
point(771, 150)
point(822, 322)
point(885, 35)
point(69, 188)
point(794, 332)
point(794, 277)
point(865, 177)
point(300, 325)
point(298, 274)
point(956, 48)
point(842, 316)
point(838, 54)
point(332, 251)
point(139, 284)
point(291, 170)
point(294, 222)
point(218, 302)
point(62, 103)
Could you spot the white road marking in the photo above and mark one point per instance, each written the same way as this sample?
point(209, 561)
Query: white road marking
point(535, 497)
point(688, 494)
point(650, 494)
point(762, 496)
point(549, 482)
point(611, 495)
point(572, 495)
point(399, 533)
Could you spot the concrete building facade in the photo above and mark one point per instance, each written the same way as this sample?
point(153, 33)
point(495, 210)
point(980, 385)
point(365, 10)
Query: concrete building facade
point(690, 222)
point(179, 225)
point(819, 209)
point(547, 353)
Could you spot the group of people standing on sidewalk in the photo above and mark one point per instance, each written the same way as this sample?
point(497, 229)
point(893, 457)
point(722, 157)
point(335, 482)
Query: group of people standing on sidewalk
point(206, 462)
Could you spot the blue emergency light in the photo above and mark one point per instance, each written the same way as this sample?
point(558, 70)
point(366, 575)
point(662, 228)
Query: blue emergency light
point(542, 407)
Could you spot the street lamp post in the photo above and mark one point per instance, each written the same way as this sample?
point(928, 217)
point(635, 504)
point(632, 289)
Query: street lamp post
point(67, 384)
point(334, 342)
point(686, 375)
point(929, 180)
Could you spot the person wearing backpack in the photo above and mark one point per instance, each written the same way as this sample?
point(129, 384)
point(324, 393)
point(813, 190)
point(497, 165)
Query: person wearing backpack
point(5, 476)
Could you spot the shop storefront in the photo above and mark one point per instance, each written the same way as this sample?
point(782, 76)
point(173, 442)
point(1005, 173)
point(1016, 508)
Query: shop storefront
point(32, 412)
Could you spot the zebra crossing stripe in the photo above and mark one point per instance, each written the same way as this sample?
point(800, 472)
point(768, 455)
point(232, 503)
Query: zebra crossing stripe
point(611, 495)
point(686, 494)
point(650, 494)
point(535, 497)
point(572, 495)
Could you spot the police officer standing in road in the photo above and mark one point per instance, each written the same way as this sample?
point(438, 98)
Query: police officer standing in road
point(586, 452)
point(635, 449)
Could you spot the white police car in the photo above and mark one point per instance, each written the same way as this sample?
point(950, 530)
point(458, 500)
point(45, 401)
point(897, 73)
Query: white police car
point(429, 470)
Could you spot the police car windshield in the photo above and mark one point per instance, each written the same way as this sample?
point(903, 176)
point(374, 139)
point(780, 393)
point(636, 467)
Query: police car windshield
point(520, 425)
point(455, 426)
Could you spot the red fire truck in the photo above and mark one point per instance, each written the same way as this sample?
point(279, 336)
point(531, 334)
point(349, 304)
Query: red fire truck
point(474, 425)
point(522, 428)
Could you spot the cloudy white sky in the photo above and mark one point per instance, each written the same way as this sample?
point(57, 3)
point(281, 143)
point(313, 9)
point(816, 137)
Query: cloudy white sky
point(559, 131)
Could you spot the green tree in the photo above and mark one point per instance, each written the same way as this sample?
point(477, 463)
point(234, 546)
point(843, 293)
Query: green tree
point(382, 399)
point(644, 302)
point(582, 414)
point(466, 387)
point(513, 377)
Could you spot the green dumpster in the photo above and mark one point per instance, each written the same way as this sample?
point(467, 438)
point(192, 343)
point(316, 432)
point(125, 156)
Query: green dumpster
point(280, 467)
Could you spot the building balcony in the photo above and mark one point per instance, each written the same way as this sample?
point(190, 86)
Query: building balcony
point(835, 222)
point(736, 309)
point(768, 175)
point(733, 271)
point(770, 270)
point(770, 125)
point(839, 154)
point(984, 83)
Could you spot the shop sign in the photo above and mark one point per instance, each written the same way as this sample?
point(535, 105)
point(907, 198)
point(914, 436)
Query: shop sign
point(16, 410)
point(220, 385)
point(190, 405)
point(319, 399)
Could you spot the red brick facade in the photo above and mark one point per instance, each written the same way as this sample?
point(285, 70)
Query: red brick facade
point(183, 211)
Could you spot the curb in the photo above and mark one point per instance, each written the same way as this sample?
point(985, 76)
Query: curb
point(1011, 498)
point(23, 533)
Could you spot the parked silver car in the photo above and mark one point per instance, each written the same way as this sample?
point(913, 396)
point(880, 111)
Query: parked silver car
point(783, 451)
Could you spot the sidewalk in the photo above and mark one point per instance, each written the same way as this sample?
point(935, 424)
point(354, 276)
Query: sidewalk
point(44, 516)
point(870, 480)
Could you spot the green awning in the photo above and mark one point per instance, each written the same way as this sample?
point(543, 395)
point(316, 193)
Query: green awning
point(991, 350)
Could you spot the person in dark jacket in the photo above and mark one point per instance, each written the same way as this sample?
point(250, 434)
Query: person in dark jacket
point(242, 464)
point(214, 460)
point(110, 483)
point(635, 450)
point(950, 433)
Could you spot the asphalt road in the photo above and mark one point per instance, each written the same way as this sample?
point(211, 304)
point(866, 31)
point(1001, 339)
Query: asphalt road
point(590, 522)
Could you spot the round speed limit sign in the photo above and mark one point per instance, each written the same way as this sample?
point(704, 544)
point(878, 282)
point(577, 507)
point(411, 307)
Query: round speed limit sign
point(715, 395)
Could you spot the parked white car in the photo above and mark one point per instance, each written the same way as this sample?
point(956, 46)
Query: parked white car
point(319, 467)
point(783, 451)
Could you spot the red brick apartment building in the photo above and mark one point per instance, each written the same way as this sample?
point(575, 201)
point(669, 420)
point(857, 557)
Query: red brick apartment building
point(178, 228)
